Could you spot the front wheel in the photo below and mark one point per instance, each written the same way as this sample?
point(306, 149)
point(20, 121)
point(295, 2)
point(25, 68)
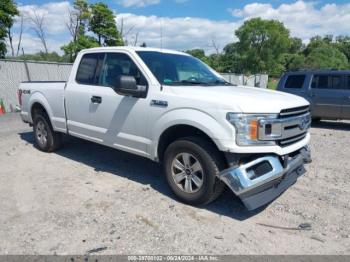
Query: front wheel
point(191, 166)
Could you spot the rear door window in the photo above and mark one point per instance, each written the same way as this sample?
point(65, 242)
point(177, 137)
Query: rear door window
point(295, 81)
point(89, 67)
point(326, 82)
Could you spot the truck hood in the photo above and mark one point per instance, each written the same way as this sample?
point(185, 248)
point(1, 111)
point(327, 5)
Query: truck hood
point(243, 98)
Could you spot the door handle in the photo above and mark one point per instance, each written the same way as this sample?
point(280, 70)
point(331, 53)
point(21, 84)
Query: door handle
point(96, 99)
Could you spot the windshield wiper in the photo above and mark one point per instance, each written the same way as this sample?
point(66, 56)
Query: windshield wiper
point(223, 82)
point(194, 82)
point(188, 82)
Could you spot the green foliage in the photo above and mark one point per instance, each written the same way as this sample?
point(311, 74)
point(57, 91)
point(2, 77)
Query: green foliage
point(82, 15)
point(82, 42)
point(264, 46)
point(342, 43)
point(272, 83)
point(326, 57)
point(42, 56)
point(8, 10)
point(99, 20)
point(260, 45)
point(200, 54)
point(102, 24)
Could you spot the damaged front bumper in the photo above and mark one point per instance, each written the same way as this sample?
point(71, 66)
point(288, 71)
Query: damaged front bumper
point(262, 180)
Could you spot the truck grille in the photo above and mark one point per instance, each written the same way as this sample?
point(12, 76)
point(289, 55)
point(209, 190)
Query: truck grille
point(290, 127)
point(296, 111)
point(294, 128)
point(291, 140)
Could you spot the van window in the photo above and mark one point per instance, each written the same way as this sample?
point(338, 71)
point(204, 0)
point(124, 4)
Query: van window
point(89, 67)
point(295, 81)
point(326, 82)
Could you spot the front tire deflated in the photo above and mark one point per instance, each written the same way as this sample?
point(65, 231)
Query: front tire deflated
point(191, 166)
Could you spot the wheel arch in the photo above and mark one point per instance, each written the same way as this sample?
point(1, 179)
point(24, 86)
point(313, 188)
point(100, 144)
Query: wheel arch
point(178, 131)
point(39, 102)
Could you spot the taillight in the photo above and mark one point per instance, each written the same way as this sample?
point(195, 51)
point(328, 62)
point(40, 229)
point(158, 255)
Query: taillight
point(19, 94)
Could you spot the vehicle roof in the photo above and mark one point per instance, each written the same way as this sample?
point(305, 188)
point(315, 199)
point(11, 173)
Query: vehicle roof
point(318, 71)
point(133, 48)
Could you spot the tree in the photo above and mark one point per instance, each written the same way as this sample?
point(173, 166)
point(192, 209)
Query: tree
point(296, 45)
point(342, 43)
point(82, 42)
point(198, 53)
point(316, 42)
point(261, 44)
point(21, 17)
point(38, 25)
point(102, 23)
point(326, 57)
point(78, 21)
point(8, 11)
point(42, 56)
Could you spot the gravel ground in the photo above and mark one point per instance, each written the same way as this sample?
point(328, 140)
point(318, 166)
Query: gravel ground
point(87, 197)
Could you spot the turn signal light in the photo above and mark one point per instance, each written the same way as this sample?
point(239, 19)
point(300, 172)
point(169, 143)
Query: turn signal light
point(253, 132)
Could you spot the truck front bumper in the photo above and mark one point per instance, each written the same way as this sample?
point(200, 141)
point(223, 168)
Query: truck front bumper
point(262, 180)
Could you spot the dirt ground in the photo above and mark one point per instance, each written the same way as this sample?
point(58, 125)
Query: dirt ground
point(87, 198)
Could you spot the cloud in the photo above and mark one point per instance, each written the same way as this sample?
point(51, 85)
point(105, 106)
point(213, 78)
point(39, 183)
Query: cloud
point(138, 3)
point(177, 33)
point(55, 15)
point(31, 44)
point(303, 19)
point(143, 3)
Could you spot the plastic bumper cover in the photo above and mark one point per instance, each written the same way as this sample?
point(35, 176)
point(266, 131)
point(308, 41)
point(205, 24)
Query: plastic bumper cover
point(256, 190)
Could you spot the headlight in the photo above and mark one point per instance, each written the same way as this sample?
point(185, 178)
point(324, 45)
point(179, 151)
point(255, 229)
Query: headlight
point(247, 128)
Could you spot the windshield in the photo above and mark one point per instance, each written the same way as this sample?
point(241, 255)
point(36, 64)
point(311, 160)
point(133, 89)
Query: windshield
point(173, 69)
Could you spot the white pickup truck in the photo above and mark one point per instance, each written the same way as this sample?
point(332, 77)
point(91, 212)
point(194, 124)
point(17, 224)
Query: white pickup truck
point(170, 107)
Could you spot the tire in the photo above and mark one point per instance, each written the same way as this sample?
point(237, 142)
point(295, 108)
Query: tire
point(193, 150)
point(316, 120)
point(45, 137)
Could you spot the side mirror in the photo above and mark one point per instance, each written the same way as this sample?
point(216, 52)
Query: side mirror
point(127, 86)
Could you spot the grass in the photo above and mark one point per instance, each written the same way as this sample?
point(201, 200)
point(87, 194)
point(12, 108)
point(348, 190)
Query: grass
point(272, 83)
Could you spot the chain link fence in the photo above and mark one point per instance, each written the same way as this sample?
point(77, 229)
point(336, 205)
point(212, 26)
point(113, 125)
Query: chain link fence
point(13, 72)
point(253, 80)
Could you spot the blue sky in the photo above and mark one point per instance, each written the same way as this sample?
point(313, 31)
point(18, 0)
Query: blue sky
point(190, 24)
point(211, 9)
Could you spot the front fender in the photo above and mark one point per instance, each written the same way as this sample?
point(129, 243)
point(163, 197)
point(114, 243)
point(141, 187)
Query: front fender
point(191, 117)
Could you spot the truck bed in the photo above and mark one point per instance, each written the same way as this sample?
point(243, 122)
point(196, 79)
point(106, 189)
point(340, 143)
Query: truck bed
point(52, 93)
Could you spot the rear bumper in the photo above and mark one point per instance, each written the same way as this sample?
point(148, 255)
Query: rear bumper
point(256, 190)
point(24, 117)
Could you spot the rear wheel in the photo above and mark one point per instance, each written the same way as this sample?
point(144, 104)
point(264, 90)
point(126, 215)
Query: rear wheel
point(191, 166)
point(45, 137)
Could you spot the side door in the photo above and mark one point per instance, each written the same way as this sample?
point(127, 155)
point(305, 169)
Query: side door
point(119, 121)
point(327, 96)
point(346, 101)
point(78, 95)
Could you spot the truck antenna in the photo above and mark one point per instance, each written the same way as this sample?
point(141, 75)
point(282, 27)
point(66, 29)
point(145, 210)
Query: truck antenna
point(161, 32)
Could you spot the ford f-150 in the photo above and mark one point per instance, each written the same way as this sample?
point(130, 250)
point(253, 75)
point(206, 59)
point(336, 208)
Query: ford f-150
point(172, 108)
